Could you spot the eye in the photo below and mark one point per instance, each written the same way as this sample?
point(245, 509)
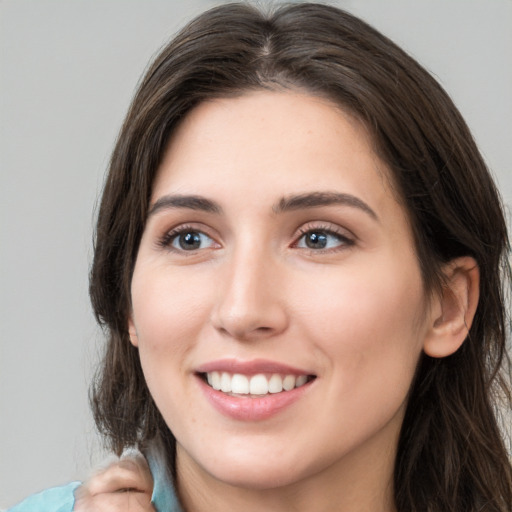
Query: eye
point(186, 239)
point(322, 239)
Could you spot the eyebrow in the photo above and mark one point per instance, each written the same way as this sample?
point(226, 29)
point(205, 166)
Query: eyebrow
point(285, 204)
point(192, 202)
point(317, 199)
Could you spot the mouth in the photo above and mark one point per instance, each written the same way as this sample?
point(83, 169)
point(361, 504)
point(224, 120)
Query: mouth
point(254, 386)
point(255, 390)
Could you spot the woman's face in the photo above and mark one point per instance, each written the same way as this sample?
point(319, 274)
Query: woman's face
point(277, 265)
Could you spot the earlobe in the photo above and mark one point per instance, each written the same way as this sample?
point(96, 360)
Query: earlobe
point(132, 332)
point(454, 308)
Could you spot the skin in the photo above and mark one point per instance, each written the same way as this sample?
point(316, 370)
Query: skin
point(354, 314)
point(125, 484)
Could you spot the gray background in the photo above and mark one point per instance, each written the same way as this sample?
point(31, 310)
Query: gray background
point(67, 73)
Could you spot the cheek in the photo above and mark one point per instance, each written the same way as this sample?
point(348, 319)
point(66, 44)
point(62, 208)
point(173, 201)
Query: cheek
point(368, 325)
point(368, 338)
point(167, 308)
point(168, 313)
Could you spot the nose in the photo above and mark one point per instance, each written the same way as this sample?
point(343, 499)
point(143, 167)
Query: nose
point(251, 300)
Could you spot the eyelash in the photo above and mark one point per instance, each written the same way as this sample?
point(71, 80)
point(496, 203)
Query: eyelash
point(167, 240)
point(329, 230)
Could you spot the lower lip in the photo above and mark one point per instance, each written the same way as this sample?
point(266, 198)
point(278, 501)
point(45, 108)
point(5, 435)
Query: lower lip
point(252, 409)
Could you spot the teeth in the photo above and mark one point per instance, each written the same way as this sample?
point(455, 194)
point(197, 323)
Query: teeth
point(239, 384)
point(214, 380)
point(259, 384)
point(289, 382)
point(225, 383)
point(275, 384)
point(301, 380)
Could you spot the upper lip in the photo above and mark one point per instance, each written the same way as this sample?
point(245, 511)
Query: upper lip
point(252, 367)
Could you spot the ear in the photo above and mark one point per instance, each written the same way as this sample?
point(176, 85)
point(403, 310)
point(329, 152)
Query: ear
point(453, 310)
point(132, 332)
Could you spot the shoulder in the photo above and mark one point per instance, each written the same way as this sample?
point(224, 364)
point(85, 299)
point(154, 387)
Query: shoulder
point(56, 499)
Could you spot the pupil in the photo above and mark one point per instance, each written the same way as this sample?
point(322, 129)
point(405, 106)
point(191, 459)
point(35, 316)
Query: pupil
point(316, 240)
point(190, 241)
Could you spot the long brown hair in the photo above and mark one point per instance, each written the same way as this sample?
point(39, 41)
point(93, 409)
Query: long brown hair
point(451, 456)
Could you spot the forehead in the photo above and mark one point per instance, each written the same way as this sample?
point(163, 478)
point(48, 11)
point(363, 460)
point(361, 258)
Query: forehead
point(291, 141)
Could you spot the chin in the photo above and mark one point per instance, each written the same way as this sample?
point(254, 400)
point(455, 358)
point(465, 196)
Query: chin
point(257, 477)
point(251, 469)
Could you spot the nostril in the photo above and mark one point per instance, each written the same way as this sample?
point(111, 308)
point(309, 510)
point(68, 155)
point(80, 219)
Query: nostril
point(244, 320)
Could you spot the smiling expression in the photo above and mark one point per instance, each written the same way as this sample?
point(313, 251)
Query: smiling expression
point(278, 305)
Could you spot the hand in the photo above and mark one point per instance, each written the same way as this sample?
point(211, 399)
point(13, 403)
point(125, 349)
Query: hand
point(125, 485)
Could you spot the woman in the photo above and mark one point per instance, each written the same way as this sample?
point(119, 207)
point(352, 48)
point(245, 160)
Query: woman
point(300, 262)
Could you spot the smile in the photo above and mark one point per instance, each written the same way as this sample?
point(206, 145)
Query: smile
point(237, 384)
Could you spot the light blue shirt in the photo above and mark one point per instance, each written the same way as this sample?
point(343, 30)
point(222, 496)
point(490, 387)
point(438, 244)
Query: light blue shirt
point(62, 499)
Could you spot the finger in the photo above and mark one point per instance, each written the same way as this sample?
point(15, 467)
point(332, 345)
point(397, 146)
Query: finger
point(115, 502)
point(138, 465)
point(117, 478)
point(127, 473)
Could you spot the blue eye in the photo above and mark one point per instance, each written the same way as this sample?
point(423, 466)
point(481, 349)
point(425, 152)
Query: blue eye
point(321, 239)
point(190, 240)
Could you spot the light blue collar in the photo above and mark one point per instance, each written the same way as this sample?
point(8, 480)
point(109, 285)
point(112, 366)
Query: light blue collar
point(164, 497)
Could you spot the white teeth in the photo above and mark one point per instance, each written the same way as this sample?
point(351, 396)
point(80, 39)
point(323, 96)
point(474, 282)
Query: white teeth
point(275, 384)
point(289, 382)
point(301, 380)
point(259, 384)
point(225, 382)
point(240, 384)
point(215, 380)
